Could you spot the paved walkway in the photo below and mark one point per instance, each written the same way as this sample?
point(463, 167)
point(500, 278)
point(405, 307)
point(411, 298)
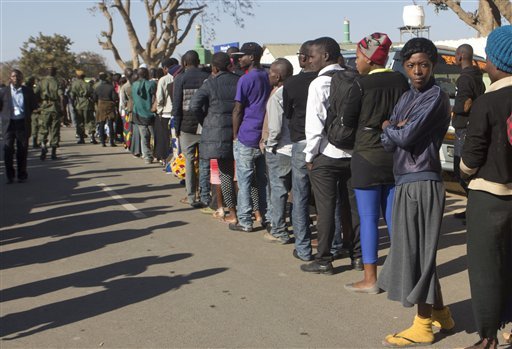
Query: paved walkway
point(97, 251)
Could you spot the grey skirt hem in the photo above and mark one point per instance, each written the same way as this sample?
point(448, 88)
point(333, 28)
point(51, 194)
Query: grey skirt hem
point(409, 272)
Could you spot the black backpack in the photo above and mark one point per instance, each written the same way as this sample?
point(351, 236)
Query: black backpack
point(339, 135)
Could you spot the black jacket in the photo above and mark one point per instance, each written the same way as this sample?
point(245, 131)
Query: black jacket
point(7, 109)
point(486, 146)
point(212, 105)
point(184, 87)
point(469, 86)
point(295, 97)
point(370, 102)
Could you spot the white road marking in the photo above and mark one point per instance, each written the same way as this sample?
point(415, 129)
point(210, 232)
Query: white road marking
point(122, 201)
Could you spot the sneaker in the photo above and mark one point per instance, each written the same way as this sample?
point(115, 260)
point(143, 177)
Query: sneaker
point(318, 268)
point(280, 240)
point(238, 227)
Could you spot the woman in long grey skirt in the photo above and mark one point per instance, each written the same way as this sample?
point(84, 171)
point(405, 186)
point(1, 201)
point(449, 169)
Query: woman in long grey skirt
point(414, 133)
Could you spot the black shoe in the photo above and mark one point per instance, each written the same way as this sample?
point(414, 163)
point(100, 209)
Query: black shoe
point(198, 204)
point(93, 141)
point(315, 267)
point(112, 144)
point(342, 253)
point(296, 255)
point(54, 153)
point(357, 264)
point(238, 227)
point(103, 144)
point(80, 141)
point(22, 180)
point(460, 215)
point(44, 151)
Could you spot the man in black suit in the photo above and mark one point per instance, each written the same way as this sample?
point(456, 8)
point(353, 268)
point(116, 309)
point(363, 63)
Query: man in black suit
point(16, 105)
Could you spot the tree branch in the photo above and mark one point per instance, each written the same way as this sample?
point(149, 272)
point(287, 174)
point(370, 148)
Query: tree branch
point(467, 17)
point(132, 34)
point(109, 44)
point(505, 8)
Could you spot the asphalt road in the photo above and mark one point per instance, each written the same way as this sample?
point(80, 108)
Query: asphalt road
point(97, 251)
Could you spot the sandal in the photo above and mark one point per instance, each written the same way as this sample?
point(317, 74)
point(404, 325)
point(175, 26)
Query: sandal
point(507, 337)
point(402, 342)
point(219, 213)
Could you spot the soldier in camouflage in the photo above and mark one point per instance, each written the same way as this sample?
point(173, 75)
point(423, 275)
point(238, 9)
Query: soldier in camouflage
point(51, 112)
point(82, 96)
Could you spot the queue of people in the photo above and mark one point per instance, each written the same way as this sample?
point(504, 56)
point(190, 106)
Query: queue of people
point(261, 146)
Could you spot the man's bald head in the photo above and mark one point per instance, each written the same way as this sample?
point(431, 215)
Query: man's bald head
point(464, 54)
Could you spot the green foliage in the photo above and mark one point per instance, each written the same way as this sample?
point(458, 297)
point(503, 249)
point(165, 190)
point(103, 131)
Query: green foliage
point(40, 53)
point(440, 7)
point(91, 63)
point(6, 68)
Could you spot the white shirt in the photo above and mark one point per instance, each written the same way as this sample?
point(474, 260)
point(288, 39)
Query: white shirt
point(17, 103)
point(316, 113)
point(278, 132)
point(163, 99)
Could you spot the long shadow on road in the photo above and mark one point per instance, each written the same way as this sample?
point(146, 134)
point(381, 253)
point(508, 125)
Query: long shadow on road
point(118, 293)
point(88, 278)
point(73, 246)
point(64, 226)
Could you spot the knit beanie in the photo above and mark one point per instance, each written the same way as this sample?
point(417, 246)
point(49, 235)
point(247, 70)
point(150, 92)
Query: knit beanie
point(375, 47)
point(499, 48)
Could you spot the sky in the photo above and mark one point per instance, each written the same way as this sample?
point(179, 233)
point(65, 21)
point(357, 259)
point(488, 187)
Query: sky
point(274, 21)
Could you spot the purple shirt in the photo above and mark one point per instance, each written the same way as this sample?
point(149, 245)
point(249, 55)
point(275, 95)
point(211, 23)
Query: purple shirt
point(252, 92)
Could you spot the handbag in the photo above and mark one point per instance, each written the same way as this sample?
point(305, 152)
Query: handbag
point(178, 166)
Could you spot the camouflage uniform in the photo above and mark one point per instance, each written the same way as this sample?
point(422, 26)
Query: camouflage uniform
point(82, 93)
point(50, 113)
point(35, 120)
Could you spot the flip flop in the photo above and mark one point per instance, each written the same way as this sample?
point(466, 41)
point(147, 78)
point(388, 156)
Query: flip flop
point(218, 214)
point(408, 344)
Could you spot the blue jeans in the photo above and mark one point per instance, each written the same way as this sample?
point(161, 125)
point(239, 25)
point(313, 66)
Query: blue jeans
point(190, 146)
point(279, 172)
point(301, 188)
point(370, 201)
point(250, 169)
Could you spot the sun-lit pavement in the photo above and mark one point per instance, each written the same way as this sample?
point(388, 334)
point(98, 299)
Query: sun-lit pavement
point(97, 251)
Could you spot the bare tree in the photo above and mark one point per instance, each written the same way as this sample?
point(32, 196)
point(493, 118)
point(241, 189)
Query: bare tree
point(489, 15)
point(169, 22)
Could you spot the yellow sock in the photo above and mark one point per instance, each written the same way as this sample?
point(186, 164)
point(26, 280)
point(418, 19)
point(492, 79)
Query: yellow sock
point(443, 319)
point(419, 332)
